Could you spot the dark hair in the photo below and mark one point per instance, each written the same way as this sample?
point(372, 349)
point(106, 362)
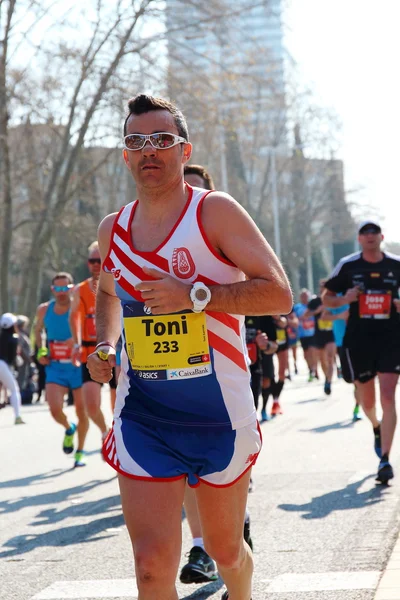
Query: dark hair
point(62, 275)
point(142, 103)
point(201, 172)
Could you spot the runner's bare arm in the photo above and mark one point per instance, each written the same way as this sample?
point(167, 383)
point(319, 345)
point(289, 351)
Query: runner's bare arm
point(75, 317)
point(331, 300)
point(108, 308)
point(328, 316)
point(39, 325)
point(293, 321)
point(234, 235)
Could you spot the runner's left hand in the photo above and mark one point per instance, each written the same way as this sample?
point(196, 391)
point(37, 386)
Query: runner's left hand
point(164, 294)
point(397, 304)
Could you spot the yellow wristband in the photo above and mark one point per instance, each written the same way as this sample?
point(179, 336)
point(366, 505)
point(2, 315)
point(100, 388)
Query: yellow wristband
point(102, 355)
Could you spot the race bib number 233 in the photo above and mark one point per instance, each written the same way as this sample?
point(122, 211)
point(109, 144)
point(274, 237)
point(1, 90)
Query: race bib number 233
point(168, 346)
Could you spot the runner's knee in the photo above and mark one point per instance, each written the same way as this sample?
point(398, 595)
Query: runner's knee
point(155, 566)
point(226, 555)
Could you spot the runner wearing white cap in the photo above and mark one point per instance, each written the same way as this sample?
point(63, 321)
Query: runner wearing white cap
point(8, 357)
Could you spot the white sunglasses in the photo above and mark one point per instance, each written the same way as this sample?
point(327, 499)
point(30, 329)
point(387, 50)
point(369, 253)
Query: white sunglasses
point(160, 141)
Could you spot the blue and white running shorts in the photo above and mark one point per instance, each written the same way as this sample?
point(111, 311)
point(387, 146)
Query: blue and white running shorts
point(147, 452)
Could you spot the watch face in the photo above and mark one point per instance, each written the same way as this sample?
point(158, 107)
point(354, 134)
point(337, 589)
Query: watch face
point(201, 295)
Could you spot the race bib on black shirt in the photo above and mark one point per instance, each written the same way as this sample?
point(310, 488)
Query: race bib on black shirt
point(374, 312)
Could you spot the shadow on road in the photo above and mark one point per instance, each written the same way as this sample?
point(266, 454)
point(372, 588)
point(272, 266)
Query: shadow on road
point(52, 498)
point(344, 499)
point(33, 479)
point(339, 425)
point(205, 591)
point(95, 507)
point(68, 536)
point(319, 399)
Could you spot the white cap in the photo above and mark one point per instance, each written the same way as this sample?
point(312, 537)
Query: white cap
point(7, 320)
point(371, 222)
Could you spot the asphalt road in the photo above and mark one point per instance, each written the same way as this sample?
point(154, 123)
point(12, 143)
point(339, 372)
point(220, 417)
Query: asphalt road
point(322, 529)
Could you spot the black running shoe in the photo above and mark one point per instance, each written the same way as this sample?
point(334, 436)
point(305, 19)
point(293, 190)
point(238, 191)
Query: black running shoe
point(385, 472)
point(200, 568)
point(378, 441)
point(225, 595)
point(246, 534)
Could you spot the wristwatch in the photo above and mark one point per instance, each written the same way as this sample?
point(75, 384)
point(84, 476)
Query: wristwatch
point(200, 295)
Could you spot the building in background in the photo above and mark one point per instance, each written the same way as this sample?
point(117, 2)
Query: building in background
point(226, 71)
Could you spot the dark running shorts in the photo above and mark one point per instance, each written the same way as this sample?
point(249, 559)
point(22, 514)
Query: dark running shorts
point(363, 362)
point(322, 338)
point(307, 342)
point(268, 366)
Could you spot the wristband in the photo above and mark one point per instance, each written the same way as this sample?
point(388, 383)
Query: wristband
point(42, 352)
point(102, 355)
point(105, 344)
point(77, 346)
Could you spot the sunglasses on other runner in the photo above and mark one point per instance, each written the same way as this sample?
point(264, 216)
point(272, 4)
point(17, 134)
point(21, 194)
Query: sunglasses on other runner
point(370, 229)
point(62, 288)
point(94, 261)
point(159, 141)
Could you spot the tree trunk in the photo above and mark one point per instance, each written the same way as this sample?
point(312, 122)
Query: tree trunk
point(5, 174)
point(6, 220)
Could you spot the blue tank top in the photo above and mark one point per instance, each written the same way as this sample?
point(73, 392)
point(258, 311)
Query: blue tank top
point(57, 326)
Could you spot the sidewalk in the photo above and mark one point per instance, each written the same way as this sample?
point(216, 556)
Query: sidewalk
point(389, 585)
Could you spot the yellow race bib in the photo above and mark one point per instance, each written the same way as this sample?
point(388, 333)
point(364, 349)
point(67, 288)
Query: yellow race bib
point(325, 325)
point(280, 336)
point(168, 347)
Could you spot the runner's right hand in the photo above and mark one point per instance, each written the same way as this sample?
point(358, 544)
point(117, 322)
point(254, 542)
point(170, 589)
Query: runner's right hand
point(352, 295)
point(100, 369)
point(261, 340)
point(76, 356)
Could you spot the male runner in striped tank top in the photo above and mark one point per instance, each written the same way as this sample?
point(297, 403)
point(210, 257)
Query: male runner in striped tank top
point(181, 268)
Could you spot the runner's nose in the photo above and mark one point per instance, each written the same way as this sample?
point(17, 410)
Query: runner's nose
point(148, 149)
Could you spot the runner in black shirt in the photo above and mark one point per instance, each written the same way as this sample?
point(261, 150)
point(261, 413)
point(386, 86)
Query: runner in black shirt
point(281, 324)
point(369, 281)
point(260, 348)
point(323, 338)
point(266, 325)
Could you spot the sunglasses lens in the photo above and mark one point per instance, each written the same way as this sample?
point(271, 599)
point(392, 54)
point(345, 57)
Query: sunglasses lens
point(61, 288)
point(134, 141)
point(163, 140)
point(94, 261)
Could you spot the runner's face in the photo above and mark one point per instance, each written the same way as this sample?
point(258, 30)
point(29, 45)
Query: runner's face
point(195, 180)
point(150, 167)
point(370, 241)
point(61, 297)
point(94, 268)
point(304, 298)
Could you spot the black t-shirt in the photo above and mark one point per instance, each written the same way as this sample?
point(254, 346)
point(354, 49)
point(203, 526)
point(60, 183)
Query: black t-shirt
point(374, 313)
point(8, 347)
point(321, 326)
point(266, 325)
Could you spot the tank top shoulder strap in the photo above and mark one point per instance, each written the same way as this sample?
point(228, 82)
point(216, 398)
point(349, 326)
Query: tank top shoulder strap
point(49, 312)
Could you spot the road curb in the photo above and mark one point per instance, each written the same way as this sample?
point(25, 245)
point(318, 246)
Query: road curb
point(389, 585)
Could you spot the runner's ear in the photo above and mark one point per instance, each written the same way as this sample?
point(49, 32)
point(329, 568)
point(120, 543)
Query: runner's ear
point(187, 152)
point(126, 160)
